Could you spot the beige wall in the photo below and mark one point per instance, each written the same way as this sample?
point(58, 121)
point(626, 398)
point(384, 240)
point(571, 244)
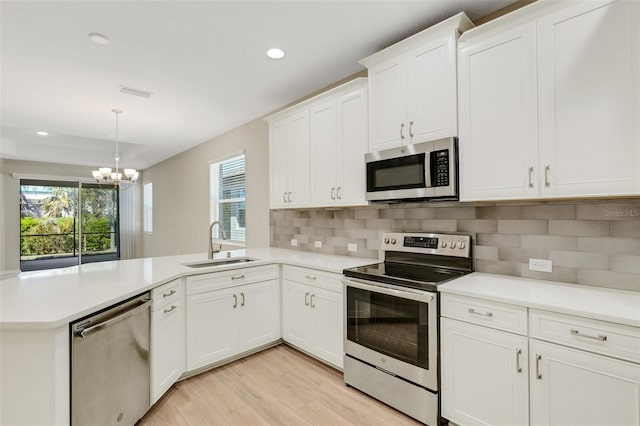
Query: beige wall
point(181, 192)
point(10, 200)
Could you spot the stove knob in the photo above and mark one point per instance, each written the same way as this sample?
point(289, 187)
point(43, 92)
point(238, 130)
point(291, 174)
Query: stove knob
point(386, 241)
point(444, 244)
point(453, 244)
point(393, 241)
point(461, 246)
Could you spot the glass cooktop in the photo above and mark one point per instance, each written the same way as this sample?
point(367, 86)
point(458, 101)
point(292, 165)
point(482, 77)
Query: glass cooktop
point(404, 274)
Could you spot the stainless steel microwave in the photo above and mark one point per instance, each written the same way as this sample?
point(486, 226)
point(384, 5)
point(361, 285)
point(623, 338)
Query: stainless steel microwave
point(427, 170)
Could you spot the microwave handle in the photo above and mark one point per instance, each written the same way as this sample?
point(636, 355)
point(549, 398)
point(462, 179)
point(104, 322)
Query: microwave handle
point(428, 169)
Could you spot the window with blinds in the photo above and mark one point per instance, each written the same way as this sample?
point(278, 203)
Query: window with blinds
point(227, 197)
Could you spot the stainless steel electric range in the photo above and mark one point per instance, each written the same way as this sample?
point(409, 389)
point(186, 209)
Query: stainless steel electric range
point(391, 320)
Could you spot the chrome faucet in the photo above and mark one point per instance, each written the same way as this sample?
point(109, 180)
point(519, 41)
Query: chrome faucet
point(224, 237)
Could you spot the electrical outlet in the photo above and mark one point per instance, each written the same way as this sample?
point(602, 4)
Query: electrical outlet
point(541, 265)
point(294, 242)
point(318, 244)
point(352, 247)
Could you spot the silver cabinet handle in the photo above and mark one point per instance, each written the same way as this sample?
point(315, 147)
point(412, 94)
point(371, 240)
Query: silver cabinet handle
point(289, 197)
point(484, 314)
point(306, 299)
point(411, 129)
point(518, 367)
point(242, 299)
point(538, 374)
point(312, 296)
point(237, 277)
point(171, 293)
point(173, 308)
point(401, 131)
point(601, 337)
point(530, 177)
point(339, 194)
point(311, 277)
point(284, 197)
point(547, 182)
point(235, 301)
point(333, 193)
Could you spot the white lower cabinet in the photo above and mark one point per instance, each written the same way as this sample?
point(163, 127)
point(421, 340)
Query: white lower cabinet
point(312, 312)
point(484, 375)
point(231, 312)
point(574, 387)
point(167, 337)
point(571, 374)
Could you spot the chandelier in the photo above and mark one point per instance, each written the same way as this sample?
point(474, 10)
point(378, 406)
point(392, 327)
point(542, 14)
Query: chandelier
point(107, 175)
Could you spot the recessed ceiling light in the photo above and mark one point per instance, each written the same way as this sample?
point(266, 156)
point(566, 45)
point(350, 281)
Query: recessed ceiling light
point(99, 38)
point(41, 133)
point(275, 53)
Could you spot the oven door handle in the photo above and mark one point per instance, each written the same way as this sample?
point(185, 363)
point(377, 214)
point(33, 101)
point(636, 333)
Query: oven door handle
point(423, 296)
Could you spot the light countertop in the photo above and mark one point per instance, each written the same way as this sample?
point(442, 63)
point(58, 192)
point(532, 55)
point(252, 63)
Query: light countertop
point(619, 306)
point(51, 298)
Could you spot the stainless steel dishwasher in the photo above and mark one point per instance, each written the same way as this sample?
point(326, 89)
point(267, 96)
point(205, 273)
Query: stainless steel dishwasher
point(110, 365)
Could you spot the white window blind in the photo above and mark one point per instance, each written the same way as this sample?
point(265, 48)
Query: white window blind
point(227, 197)
point(147, 202)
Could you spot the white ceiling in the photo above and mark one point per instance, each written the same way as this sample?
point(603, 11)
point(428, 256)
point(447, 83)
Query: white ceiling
point(204, 61)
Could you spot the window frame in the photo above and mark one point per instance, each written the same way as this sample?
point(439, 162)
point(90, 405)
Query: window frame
point(214, 201)
point(147, 208)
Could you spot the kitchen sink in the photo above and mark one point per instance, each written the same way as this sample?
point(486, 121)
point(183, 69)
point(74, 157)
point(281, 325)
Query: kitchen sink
point(219, 262)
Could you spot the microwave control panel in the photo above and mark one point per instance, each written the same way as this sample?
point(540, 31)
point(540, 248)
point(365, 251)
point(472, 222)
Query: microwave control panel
point(440, 167)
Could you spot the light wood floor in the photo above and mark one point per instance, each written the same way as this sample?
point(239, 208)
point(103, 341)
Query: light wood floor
point(279, 386)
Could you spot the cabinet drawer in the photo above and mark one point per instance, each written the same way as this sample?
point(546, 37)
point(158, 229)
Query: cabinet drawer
point(166, 293)
point(617, 340)
point(497, 315)
point(322, 279)
point(230, 278)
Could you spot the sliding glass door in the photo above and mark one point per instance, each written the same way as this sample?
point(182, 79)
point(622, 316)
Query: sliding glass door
point(99, 236)
point(66, 223)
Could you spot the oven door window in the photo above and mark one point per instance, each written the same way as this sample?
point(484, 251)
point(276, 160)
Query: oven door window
point(397, 173)
point(390, 325)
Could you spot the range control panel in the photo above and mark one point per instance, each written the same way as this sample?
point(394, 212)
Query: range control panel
point(441, 244)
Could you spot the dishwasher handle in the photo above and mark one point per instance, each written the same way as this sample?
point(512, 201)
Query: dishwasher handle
point(145, 302)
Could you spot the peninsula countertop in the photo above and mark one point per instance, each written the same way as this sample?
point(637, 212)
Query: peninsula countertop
point(51, 298)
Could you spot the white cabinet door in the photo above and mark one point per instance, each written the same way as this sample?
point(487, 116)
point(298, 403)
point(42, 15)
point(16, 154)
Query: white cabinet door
point(388, 104)
point(298, 159)
point(484, 375)
point(259, 313)
point(573, 387)
point(589, 96)
point(279, 163)
point(324, 147)
point(498, 116)
point(352, 145)
point(328, 330)
point(212, 332)
point(432, 108)
point(167, 347)
point(296, 327)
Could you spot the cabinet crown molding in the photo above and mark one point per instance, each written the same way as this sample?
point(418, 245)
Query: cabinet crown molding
point(335, 91)
point(525, 14)
point(459, 22)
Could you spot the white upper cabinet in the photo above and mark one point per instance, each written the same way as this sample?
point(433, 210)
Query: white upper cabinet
point(588, 99)
point(317, 150)
point(549, 103)
point(498, 105)
point(412, 87)
point(289, 160)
